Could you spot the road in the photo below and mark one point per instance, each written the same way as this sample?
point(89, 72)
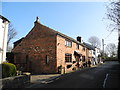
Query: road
point(102, 76)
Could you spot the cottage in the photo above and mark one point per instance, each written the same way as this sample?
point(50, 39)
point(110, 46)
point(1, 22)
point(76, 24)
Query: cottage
point(95, 54)
point(3, 37)
point(44, 50)
point(91, 53)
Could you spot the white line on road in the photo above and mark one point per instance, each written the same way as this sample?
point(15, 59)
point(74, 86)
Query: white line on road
point(105, 80)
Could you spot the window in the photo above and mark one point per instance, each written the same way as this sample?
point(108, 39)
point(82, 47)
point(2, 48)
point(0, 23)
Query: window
point(90, 51)
point(97, 51)
point(47, 59)
point(3, 21)
point(83, 58)
point(77, 46)
point(83, 48)
point(68, 43)
point(68, 57)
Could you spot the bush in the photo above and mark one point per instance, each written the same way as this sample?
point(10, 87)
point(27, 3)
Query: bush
point(8, 70)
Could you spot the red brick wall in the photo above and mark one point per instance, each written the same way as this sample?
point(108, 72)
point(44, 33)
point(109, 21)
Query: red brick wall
point(31, 52)
point(62, 49)
point(38, 43)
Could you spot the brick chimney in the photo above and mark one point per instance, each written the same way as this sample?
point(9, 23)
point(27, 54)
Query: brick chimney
point(79, 39)
point(37, 20)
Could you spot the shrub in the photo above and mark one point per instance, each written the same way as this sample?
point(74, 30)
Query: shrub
point(8, 70)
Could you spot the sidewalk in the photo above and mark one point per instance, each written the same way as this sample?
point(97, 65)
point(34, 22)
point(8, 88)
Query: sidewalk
point(41, 79)
point(37, 78)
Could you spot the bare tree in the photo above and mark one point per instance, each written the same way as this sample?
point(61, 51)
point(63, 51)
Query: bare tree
point(118, 49)
point(94, 41)
point(113, 14)
point(111, 49)
point(11, 33)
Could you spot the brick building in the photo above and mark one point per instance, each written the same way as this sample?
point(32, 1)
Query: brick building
point(44, 50)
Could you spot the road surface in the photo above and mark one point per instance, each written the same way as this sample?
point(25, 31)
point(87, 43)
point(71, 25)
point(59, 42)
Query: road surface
point(102, 76)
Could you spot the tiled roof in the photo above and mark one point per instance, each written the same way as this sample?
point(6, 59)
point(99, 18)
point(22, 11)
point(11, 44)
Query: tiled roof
point(4, 18)
point(89, 46)
point(65, 36)
point(57, 33)
point(19, 40)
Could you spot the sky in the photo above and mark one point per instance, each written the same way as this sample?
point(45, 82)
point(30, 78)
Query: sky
point(73, 19)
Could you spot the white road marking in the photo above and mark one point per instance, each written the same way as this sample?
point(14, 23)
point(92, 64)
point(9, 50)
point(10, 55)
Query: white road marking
point(105, 81)
point(45, 82)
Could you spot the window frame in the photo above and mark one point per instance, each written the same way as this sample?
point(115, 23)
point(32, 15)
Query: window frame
point(77, 46)
point(68, 57)
point(47, 59)
point(83, 58)
point(68, 43)
point(83, 48)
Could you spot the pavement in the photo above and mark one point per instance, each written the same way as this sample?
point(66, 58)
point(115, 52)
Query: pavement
point(41, 79)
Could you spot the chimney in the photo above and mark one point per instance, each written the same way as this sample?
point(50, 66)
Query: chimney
point(37, 20)
point(79, 39)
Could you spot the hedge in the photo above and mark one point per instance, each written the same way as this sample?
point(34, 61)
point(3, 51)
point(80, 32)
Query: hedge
point(8, 70)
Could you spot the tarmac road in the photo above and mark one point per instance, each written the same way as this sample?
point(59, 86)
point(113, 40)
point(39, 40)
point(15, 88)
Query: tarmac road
point(106, 75)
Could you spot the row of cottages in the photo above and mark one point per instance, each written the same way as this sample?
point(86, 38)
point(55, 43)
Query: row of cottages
point(44, 50)
point(96, 55)
point(4, 22)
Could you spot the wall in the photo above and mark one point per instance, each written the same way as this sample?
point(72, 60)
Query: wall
point(3, 39)
point(62, 49)
point(97, 53)
point(15, 82)
point(31, 52)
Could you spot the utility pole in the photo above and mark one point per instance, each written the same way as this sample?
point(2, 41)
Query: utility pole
point(103, 46)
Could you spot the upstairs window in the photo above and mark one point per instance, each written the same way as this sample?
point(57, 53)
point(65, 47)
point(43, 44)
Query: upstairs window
point(77, 46)
point(68, 57)
point(83, 48)
point(68, 43)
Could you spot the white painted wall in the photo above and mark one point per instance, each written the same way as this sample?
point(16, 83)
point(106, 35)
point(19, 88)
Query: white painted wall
point(97, 52)
point(3, 39)
point(93, 57)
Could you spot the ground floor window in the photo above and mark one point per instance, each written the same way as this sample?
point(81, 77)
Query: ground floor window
point(83, 58)
point(68, 57)
point(47, 59)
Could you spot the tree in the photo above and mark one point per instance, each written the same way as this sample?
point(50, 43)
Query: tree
point(11, 34)
point(119, 49)
point(94, 41)
point(113, 14)
point(111, 49)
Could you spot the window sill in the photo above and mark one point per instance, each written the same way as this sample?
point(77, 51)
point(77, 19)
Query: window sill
point(68, 46)
point(68, 62)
